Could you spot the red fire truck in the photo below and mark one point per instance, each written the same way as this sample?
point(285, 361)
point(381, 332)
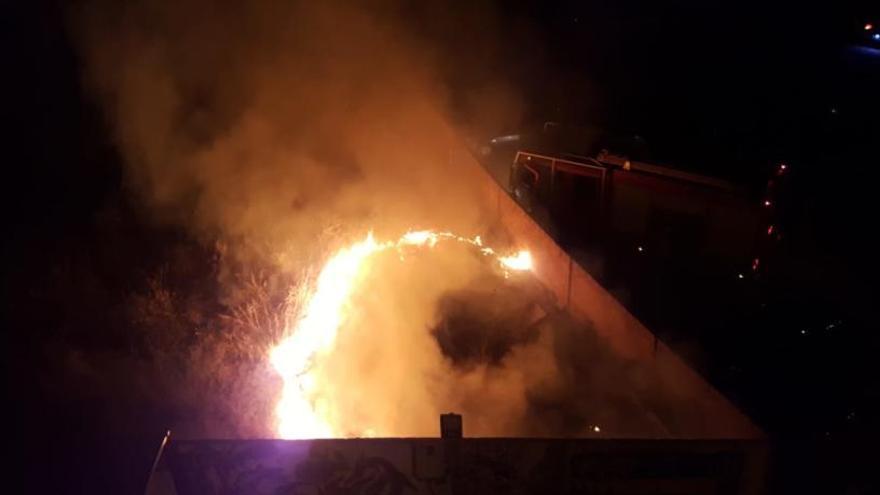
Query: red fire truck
point(675, 246)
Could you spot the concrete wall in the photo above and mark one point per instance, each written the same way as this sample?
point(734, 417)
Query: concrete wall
point(461, 467)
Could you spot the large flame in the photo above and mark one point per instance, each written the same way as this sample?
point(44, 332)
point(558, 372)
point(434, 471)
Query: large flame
point(299, 413)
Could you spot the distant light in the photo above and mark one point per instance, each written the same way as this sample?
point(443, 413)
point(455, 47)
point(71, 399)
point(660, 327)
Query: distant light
point(770, 230)
point(803, 332)
point(783, 166)
point(876, 36)
point(766, 202)
point(640, 249)
point(740, 275)
point(597, 429)
point(755, 264)
point(869, 26)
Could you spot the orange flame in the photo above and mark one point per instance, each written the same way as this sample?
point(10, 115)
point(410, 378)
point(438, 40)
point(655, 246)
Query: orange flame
point(299, 413)
point(520, 261)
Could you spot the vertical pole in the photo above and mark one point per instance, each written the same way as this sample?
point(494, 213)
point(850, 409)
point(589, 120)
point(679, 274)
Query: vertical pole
point(156, 460)
point(568, 289)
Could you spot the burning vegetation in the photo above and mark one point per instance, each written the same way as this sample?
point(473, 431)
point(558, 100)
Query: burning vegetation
point(306, 409)
point(266, 135)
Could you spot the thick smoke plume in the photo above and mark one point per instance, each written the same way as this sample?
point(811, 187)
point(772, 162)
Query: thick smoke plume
point(274, 131)
point(270, 123)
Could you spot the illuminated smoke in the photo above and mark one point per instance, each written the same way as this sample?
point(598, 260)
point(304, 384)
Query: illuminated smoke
point(300, 415)
point(273, 131)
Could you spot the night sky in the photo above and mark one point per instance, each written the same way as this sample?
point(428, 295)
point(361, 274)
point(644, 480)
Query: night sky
point(726, 89)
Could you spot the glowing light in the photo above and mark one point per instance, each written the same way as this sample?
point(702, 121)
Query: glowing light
point(783, 166)
point(597, 429)
point(419, 238)
point(869, 27)
point(640, 249)
point(300, 413)
point(866, 51)
point(767, 202)
point(315, 333)
point(876, 36)
point(770, 230)
point(522, 261)
point(740, 276)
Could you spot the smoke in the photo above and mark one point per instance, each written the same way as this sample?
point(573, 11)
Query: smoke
point(473, 341)
point(273, 131)
point(273, 123)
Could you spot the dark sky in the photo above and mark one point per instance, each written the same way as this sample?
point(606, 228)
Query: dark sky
point(693, 78)
point(721, 87)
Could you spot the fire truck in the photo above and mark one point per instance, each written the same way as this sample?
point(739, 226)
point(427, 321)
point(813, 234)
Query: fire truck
point(676, 246)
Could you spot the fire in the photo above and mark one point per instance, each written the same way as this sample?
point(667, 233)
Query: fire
point(299, 413)
point(521, 261)
point(314, 334)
